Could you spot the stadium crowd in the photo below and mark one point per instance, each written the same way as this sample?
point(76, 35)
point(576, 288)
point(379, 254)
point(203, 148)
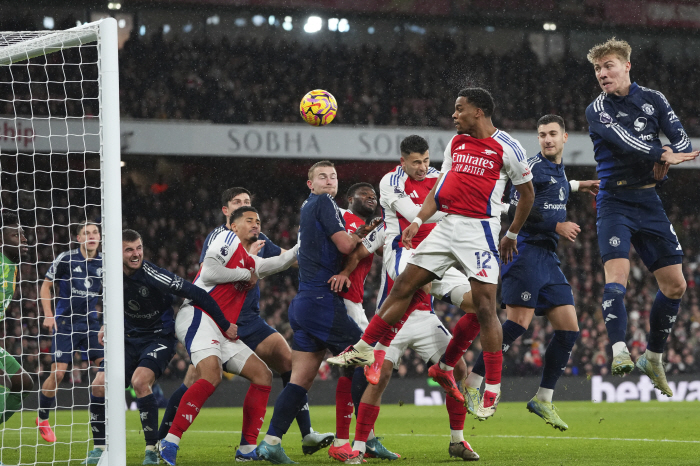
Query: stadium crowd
point(175, 216)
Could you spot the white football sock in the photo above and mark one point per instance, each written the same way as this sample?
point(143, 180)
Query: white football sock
point(339, 442)
point(172, 439)
point(495, 388)
point(359, 446)
point(371, 435)
point(445, 367)
point(545, 394)
point(362, 346)
point(272, 440)
point(245, 449)
point(474, 380)
point(653, 357)
point(457, 436)
point(618, 347)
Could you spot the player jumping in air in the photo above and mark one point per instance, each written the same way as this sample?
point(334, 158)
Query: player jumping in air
point(533, 283)
point(78, 275)
point(15, 383)
point(317, 315)
point(478, 162)
point(227, 274)
point(624, 122)
point(264, 340)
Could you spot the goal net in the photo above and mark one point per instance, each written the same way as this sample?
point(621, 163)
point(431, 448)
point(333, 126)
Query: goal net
point(60, 189)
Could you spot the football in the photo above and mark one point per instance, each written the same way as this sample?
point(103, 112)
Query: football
point(318, 107)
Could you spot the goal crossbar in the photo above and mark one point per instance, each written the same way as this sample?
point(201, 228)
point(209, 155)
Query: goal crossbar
point(43, 43)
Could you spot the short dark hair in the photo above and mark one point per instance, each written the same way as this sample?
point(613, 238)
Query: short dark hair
point(238, 213)
point(230, 193)
point(353, 189)
point(414, 143)
point(322, 163)
point(547, 119)
point(480, 98)
point(79, 227)
point(129, 236)
point(9, 218)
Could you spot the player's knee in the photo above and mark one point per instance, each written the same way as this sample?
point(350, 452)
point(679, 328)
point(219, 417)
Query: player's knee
point(98, 390)
point(402, 288)
point(141, 386)
point(675, 289)
point(263, 376)
point(191, 376)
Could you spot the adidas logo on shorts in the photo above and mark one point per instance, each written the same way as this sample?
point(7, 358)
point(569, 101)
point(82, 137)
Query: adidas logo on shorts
point(482, 273)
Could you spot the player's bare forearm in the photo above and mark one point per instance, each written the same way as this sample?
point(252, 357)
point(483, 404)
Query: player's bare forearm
point(46, 298)
point(344, 242)
point(526, 199)
point(354, 258)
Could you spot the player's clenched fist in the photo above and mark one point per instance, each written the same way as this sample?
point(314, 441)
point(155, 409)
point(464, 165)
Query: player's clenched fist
point(232, 332)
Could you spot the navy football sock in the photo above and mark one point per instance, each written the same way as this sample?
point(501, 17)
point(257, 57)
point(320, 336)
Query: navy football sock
point(614, 312)
point(303, 416)
point(661, 319)
point(171, 410)
point(359, 384)
point(511, 332)
point(46, 404)
point(148, 409)
point(288, 404)
point(97, 420)
point(556, 357)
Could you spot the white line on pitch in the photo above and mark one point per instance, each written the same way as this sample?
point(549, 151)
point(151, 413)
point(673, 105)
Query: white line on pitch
point(542, 437)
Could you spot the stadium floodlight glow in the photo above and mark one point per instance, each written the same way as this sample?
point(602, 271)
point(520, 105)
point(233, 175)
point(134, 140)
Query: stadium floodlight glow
point(287, 25)
point(490, 29)
point(258, 20)
point(48, 22)
point(271, 20)
point(370, 30)
point(213, 20)
point(313, 24)
point(550, 27)
point(122, 23)
point(343, 25)
point(240, 22)
point(114, 6)
point(166, 28)
point(142, 30)
point(122, 164)
point(187, 28)
point(333, 24)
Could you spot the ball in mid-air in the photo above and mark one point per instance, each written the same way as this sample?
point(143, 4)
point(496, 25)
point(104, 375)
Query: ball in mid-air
point(318, 107)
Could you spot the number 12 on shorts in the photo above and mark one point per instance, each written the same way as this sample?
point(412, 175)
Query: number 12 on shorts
point(486, 256)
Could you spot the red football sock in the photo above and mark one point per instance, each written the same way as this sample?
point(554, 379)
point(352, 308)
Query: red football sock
point(343, 408)
point(465, 331)
point(493, 363)
point(254, 408)
point(420, 301)
point(366, 417)
point(376, 329)
point(190, 405)
point(456, 412)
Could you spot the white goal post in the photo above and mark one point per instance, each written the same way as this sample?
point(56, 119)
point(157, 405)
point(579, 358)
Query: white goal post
point(19, 47)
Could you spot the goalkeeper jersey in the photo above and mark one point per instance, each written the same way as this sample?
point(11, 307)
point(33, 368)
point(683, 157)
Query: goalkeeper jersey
point(9, 280)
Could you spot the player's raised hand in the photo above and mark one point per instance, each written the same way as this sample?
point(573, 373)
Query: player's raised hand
point(232, 332)
point(590, 186)
point(50, 323)
point(508, 249)
point(256, 247)
point(101, 336)
point(408, 234)
point(339, 283)
point(568, 230)
point(674, 158)
point(364, 230)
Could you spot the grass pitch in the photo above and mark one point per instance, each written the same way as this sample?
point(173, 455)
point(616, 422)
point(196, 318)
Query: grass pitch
point(631, 433)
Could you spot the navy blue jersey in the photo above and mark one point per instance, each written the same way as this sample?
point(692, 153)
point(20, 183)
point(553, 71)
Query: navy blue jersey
point(79, 283)
point(251, 305)
point(551, 195)
point(319, 258)
point(148, 301)
point(625, 134)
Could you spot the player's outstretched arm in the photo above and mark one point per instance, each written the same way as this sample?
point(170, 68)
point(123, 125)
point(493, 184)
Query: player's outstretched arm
point(508, 247)
point(675, 158)
point(269, 266)
point(587, 186)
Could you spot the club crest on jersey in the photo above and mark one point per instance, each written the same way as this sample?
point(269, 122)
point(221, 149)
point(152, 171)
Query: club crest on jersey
point(639, 124)
point(224, 250)
point(490, 152)
point(525, 296)
point(562, 194)
point(605, 118)
point(87, 282)
point(648, 109)
point(614, 241)
point(143, 291)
